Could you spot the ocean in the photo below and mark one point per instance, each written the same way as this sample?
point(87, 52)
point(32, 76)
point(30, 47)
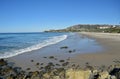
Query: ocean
point(12, 44)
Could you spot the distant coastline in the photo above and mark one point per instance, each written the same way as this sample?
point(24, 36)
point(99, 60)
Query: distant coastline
point(106, 28)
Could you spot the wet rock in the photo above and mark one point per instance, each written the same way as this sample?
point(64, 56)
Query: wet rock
point(70, 51)
point(60, 69)
point(32, 60)
point(115, 72)
point(44, 57)
point(17, 69)
point(64, 47)
point(28, 68)
point(34, 74)
point(62, 61)
point(51, 57)
point(37, 64)
point(65, 64)
point(96, 76)
point(41, 67)
point(57, 64)
point(49, 67)
point(41, 63)
point(2, 62)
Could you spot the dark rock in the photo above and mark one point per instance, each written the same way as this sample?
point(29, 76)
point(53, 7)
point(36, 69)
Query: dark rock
point(62, 61)
point(96, 76)
point(70, 51)
point(115, 72)
point(41, 63)
point(28, 68)
point(44, 57)
point(64, 47)
point(37, 64)
point(41, 67)
point(65, 64)
point(57, 64)
point(2, 62)
point(32, 60)
point(51, 57)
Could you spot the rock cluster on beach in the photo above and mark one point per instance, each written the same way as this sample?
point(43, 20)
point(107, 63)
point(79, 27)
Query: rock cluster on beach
point(8, 71)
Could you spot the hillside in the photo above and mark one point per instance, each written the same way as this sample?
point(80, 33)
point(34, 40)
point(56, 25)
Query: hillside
point(90, 28)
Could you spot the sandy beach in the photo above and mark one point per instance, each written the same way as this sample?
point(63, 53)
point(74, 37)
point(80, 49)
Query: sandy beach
point(83, 55)
point(110, 52)
point(111, 44)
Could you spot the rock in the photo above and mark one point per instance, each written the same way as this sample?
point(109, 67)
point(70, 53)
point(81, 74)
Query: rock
point(78, 74)
point(56, 77)
point(44, 57)
point(62, 61)
point(51, 57)
point(70, 51)
point(37, 64)
point(113, 77)
point(64, 47)
point(28, 68)
point(46, 76)
point(32, 60)
point(57, 64)
point(2, 62)
point(35, 75)
point(65, 64)
point(41, 63)
point(104, 75)
point(115, 72)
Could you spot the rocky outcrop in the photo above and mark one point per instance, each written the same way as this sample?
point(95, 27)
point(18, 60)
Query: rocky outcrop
point(78, 74)
point(8, 71)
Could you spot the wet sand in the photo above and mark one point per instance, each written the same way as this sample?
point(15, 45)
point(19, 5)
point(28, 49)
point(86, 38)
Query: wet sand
point(95, 55)
point(111, 44)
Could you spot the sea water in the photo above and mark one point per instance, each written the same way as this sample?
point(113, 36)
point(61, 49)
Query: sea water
point(12, 44)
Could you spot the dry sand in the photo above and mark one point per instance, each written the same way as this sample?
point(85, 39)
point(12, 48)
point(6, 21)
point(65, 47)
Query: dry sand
point(111, 43)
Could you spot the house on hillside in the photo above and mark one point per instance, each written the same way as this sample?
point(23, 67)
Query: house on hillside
point(104, 27)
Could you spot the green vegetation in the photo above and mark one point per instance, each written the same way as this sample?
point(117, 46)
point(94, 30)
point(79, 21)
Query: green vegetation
point(90, 28)
point(112, 30)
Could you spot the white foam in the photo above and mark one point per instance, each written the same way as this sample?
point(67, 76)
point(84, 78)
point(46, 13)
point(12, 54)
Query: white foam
point(48, 42)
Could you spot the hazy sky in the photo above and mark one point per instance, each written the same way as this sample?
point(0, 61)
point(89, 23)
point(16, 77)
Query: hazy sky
point(39, 15)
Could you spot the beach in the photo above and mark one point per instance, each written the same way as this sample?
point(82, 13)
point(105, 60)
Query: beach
point(102, 56)
point(111, 52)
point(83, 55)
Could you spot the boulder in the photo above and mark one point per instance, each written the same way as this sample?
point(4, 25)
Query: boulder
point(78, 74)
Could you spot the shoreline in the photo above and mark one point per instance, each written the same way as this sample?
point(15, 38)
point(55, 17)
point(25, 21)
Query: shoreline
point(111, 43)
point(106, 57)
point(66, 64)
point(73, 44)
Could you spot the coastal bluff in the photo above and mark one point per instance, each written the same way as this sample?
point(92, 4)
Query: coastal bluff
point(89, 28)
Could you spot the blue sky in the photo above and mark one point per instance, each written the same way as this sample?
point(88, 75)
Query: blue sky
point(40, 15)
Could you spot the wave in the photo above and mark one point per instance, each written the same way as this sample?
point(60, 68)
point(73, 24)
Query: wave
point(3, 38)
point(48, 42)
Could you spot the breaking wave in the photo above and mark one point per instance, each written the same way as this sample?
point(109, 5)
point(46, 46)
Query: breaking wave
point(52, 40)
